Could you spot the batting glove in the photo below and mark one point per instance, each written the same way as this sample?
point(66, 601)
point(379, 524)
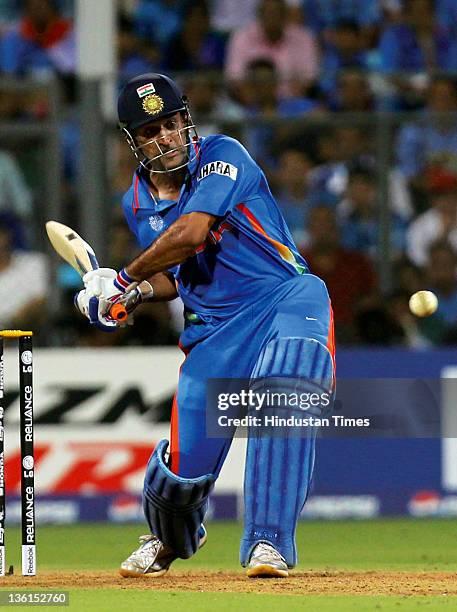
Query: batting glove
point(96, 299)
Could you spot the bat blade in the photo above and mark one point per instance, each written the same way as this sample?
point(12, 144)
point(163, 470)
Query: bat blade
point(71, 247)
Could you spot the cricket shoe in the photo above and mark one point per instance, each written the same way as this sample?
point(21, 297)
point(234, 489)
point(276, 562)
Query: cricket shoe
point(152, 558)
point(266, 562)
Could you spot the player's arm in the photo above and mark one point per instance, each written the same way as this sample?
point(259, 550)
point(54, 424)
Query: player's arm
point(172, 247)
point(163, 287)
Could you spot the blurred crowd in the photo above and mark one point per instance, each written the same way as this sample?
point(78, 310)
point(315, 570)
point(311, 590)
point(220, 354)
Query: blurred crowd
point(304, 84)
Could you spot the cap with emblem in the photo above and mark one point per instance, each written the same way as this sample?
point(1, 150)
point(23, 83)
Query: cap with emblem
point(148, 97)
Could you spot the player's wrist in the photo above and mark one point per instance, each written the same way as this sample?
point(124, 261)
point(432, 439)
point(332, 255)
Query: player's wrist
point(123, 280)
point(146, 291)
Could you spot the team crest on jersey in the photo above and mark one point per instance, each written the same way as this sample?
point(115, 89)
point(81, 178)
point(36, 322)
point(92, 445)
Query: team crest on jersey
point(156, 222)
point(153, 104)
point(218, 167)
point(145, 90)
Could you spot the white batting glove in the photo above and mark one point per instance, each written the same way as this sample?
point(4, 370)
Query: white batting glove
point(108, 286)
point(100, 283)
point(98, 297)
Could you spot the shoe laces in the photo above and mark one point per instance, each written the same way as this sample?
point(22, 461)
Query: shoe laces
point(267, 549)
point(150, 546)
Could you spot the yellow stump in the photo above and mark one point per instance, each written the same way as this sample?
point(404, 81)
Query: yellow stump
point(15, 333)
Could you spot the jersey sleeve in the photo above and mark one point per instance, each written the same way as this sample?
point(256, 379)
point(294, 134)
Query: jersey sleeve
point(225, 176)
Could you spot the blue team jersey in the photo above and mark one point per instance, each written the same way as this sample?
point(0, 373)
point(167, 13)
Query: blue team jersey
point(249, 251)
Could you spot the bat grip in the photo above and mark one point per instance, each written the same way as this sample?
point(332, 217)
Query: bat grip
point(119, 312)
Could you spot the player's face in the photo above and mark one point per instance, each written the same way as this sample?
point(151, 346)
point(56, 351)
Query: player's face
point(164, 139)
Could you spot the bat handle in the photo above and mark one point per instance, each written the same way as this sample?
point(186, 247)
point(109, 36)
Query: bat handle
point(119, 312)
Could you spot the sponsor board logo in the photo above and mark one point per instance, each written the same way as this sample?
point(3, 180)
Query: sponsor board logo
point(109, 406)
point(341, 507)
point(28, 560)
point(218, 167)
point(28, 462)
point(49, 511)
point(144, 90)
point(26, 357)
point(30, 515)
point(28, 413)
point(84, 467)
point(126, 508)
point(2, 472)
point(431, 503)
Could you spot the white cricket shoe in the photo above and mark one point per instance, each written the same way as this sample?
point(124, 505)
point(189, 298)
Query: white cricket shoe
point(266, 562)
point(152, 558)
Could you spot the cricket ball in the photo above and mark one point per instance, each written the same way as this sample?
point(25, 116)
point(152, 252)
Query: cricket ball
point(423, 303)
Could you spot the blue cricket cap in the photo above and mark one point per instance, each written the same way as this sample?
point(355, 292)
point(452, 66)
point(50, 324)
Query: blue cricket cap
point(148, 97)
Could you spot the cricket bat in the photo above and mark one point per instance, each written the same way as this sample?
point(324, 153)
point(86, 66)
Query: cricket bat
point(79, 254)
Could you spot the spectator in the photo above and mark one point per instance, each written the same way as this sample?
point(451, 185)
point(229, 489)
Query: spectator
point(408, 278)
point(349, 275)
point(195, 47)
point(23, 284)
point(416, 45)
point(413, 332)
point(322, 15)
point(41, 41)
point(438, 223)
point(211, 106)
point(359, 214)
point(230, 15)
point(340, 149)
point(292, 190)
point(377, 323)
point(441, 279)
point(125, 164)
point(136, 55)
point(347, 147)
point(263, 100)
point(291, 48)
point(15, 196)
point(9, 11)
point(345, 51)
point(446, 13)
point(159, 20)
point(262, 93)
point(352, 93)
point(427, 151)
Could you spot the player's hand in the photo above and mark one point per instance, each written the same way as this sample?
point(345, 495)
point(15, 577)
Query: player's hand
point(98, 297)
point(91, 307)
point(108, 286)
point(103, 283)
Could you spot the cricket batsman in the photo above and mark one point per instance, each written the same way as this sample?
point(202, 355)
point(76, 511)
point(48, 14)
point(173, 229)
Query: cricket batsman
point(212, 233)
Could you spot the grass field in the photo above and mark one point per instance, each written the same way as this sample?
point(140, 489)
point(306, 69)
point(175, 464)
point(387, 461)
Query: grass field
point(373, 565)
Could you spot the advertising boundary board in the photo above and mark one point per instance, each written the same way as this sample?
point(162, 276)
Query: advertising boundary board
point(100, 412)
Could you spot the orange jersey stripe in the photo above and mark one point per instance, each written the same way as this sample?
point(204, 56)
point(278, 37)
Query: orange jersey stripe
point(283, 251)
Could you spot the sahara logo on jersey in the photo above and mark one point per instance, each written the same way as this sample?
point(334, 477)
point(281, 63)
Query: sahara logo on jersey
point(218, 167)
